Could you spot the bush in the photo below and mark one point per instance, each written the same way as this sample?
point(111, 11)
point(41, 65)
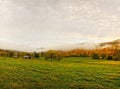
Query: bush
point(95, 56)
point(52, 54)
point(110, 57)
point(103, 56)
point(36, 55)
point(116, 58)
point(83, 55)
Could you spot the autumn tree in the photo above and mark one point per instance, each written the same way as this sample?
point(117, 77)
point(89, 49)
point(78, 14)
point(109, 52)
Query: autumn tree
point(54, 55)
point(50, 55)
point(59, 55)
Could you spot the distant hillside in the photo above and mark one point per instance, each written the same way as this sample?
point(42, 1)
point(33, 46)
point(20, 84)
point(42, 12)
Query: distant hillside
point(68, 47)
point(87, 45)
point(19, 47)
point(6, 50)
point(111, 43)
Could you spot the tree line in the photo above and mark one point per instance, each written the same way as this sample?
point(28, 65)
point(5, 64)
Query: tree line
point(110, 53)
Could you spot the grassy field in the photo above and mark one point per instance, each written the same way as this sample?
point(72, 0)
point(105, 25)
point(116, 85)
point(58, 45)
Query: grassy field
point(70, 73)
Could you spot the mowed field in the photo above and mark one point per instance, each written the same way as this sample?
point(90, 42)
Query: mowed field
point(69, 73)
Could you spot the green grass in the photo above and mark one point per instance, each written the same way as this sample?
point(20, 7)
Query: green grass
point(70, 73)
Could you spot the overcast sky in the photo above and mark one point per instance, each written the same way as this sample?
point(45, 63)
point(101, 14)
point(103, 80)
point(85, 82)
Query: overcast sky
point(26, 24)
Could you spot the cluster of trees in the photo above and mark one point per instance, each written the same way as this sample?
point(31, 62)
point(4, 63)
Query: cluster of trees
point(110, 53)
point(7, 53)
point(107, 53)
point(17, 54)
point(54, 55)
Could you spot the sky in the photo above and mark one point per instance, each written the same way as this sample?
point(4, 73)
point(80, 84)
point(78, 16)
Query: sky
point(35, 24)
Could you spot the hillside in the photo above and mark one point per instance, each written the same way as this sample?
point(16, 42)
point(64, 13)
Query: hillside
point(87, 45)
point(115, 43)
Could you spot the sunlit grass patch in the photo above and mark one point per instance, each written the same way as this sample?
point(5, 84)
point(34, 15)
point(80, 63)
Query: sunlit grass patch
point(70, 73)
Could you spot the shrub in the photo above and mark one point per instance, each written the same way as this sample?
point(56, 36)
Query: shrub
point(95, 56)
point(36, 55)
point(83, 55)
point(110, 57)
point(116, 58)
point(52, 54)
point(103, 56)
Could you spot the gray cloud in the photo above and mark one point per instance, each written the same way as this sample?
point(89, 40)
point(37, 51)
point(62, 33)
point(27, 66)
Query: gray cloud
point(42, 23)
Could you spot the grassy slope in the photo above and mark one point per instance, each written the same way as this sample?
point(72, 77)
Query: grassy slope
point(70, 73)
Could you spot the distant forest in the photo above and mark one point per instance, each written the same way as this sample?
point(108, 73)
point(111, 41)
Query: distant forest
point(107, 50)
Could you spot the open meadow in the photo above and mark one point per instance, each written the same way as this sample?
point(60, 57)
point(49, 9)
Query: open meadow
point(69, 73)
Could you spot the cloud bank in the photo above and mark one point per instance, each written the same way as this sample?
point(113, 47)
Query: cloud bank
point(45, 23)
